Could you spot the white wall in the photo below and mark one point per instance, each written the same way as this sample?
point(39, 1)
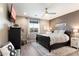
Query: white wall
point(3, 24)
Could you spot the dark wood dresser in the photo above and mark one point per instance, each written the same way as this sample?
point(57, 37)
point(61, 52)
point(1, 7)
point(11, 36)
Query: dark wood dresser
point(14, 36)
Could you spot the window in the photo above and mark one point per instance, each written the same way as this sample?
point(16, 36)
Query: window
point(34, 25)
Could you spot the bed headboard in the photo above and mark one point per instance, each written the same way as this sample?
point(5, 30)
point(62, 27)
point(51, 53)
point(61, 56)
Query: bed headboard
point(68, 33)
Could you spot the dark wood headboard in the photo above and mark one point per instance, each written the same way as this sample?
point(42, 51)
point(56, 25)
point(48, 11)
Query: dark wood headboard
point(68, 33)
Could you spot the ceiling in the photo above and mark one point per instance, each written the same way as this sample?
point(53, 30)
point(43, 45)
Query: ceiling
point(36, 10)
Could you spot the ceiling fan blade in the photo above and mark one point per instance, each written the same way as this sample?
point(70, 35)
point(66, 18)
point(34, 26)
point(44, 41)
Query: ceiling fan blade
point(46, 11)
point(51, 13)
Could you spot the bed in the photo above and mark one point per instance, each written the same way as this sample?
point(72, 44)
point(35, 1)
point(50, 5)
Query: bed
point(45, 41)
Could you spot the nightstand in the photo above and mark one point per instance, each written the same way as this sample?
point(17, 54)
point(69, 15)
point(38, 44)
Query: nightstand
point(75, 42)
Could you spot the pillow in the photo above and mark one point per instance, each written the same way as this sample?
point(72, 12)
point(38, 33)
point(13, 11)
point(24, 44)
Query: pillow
point(49, 32)
point(59, 31)
point(8, 50)
point(56, 31)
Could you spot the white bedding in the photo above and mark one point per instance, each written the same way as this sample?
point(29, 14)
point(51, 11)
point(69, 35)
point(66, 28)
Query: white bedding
point(57, 37)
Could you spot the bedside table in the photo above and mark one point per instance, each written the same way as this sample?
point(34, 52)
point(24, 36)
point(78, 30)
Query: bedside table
point(75, 42)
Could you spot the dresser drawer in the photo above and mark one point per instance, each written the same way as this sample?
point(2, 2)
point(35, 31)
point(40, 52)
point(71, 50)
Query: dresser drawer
point(74, 42)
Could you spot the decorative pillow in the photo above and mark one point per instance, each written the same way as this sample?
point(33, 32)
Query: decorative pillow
point(8, 50)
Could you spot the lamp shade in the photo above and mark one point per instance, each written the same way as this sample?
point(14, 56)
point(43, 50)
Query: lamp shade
point(75, 30)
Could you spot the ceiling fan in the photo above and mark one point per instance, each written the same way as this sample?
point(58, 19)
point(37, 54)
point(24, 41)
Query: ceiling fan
point(46, 11)
point(47, 14)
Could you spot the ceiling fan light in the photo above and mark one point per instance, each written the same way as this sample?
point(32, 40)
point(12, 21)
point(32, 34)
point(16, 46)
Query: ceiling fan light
point(24, 13)
point(46, 11)
point(46, 14)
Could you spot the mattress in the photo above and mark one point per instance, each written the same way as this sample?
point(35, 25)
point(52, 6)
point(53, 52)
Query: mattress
point(57, 37)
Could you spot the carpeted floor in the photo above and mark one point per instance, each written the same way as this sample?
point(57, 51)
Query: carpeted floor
point(64, 51)
point(35, 49)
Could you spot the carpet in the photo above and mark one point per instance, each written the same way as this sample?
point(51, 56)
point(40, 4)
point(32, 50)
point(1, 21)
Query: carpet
point(63, 51)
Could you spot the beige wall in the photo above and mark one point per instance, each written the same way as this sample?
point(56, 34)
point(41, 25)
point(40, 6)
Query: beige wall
point(3, 24)
point(23, 23)
point(71, 19)
point(44, 26)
